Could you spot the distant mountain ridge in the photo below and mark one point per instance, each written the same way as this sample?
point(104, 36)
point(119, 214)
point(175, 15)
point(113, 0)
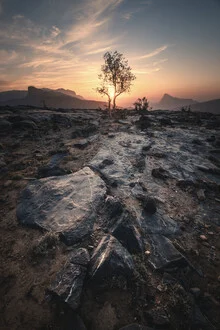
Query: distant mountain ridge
point(169, 102)
point(46, 97)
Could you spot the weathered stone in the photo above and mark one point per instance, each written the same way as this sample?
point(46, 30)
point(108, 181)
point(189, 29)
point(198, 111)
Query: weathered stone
point(81, 144)
point(158, 223)
point(110, 259)
point(163, 254)
point(68, 284)
point(150, 205)
point(80, 257)
point(160, 173)
point(127, 232)
point(65, 204)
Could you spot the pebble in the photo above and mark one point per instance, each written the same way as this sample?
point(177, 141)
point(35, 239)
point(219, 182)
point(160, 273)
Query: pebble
point(210, 233)
point(203, 237)
point(147, 252)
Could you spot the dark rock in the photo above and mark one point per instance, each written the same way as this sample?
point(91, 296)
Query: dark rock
point(144, 122)
point(127, 232)
point(47, 171)
point(70, 320)
point(5, 125)
point(200, 321)
point(165, 121)
point(158, 223)
point(150, 205)
point(106, 162)
point(110, 259)
point(84, 131)
point(160, 173)
point(80, 257)
point(68, 284)
point(81, 144)
point(158, 317)
point(195, 291)
point(135, 326)
point(197, 141)
point(163, 254)
point(113, 207)
point(146, 148)
point(25, 124)
point(211, 138)
point(64, 204)
point(169, 279)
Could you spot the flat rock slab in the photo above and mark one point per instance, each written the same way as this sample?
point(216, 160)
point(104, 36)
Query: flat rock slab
point(65, 204)
point(110, 259)
point(163, 254)
point(68, 284)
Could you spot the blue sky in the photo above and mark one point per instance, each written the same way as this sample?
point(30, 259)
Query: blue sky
point(173, 46)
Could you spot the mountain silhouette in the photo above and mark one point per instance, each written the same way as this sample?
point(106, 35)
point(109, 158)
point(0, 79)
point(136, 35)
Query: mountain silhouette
point(53, 99)
point(169, 102)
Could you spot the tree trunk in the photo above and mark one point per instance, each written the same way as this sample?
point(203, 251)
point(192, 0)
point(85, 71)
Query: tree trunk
point(114, 103)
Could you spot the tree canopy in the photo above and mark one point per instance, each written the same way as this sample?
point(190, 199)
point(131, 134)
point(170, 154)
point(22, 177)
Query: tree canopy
point(116, 77)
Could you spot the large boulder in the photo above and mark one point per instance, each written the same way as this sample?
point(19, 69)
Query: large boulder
point(65, 204)
point(68, 284)
point(110, 259)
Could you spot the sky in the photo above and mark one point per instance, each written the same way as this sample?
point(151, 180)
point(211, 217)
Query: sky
point(172, 46)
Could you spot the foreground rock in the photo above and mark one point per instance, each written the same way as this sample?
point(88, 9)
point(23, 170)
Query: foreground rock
point(68, 284)
point(109, 260)
point(163, 254)
point(66, 204)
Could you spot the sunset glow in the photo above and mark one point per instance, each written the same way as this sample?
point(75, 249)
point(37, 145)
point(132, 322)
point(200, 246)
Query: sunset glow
point(172, 46)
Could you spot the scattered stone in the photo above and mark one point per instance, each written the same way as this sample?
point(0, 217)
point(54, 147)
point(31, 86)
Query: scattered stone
point(127, 232)
point(203, 237)
point(150, 205)
point(64, 204)
point(110, 259)
point(211, 138)
point(197, 141)
point(68, 284)
point(160, 173)
point(147, 252)
point(81, 144)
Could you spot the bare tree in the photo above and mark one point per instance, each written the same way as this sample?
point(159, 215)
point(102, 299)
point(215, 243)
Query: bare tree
point(116, 77)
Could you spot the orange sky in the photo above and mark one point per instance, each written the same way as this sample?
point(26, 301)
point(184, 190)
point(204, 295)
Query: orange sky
point(172, 46)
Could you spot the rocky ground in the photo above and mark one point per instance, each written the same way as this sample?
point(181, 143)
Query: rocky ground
point(109, 223)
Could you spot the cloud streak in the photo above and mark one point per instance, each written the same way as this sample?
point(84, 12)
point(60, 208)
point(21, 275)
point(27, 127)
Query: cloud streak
point(153, 53)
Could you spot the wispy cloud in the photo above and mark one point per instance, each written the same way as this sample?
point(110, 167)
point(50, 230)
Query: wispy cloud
point(153, 53)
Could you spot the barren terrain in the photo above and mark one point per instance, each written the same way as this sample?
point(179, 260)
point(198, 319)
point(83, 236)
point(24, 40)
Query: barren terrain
point(146, 205)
